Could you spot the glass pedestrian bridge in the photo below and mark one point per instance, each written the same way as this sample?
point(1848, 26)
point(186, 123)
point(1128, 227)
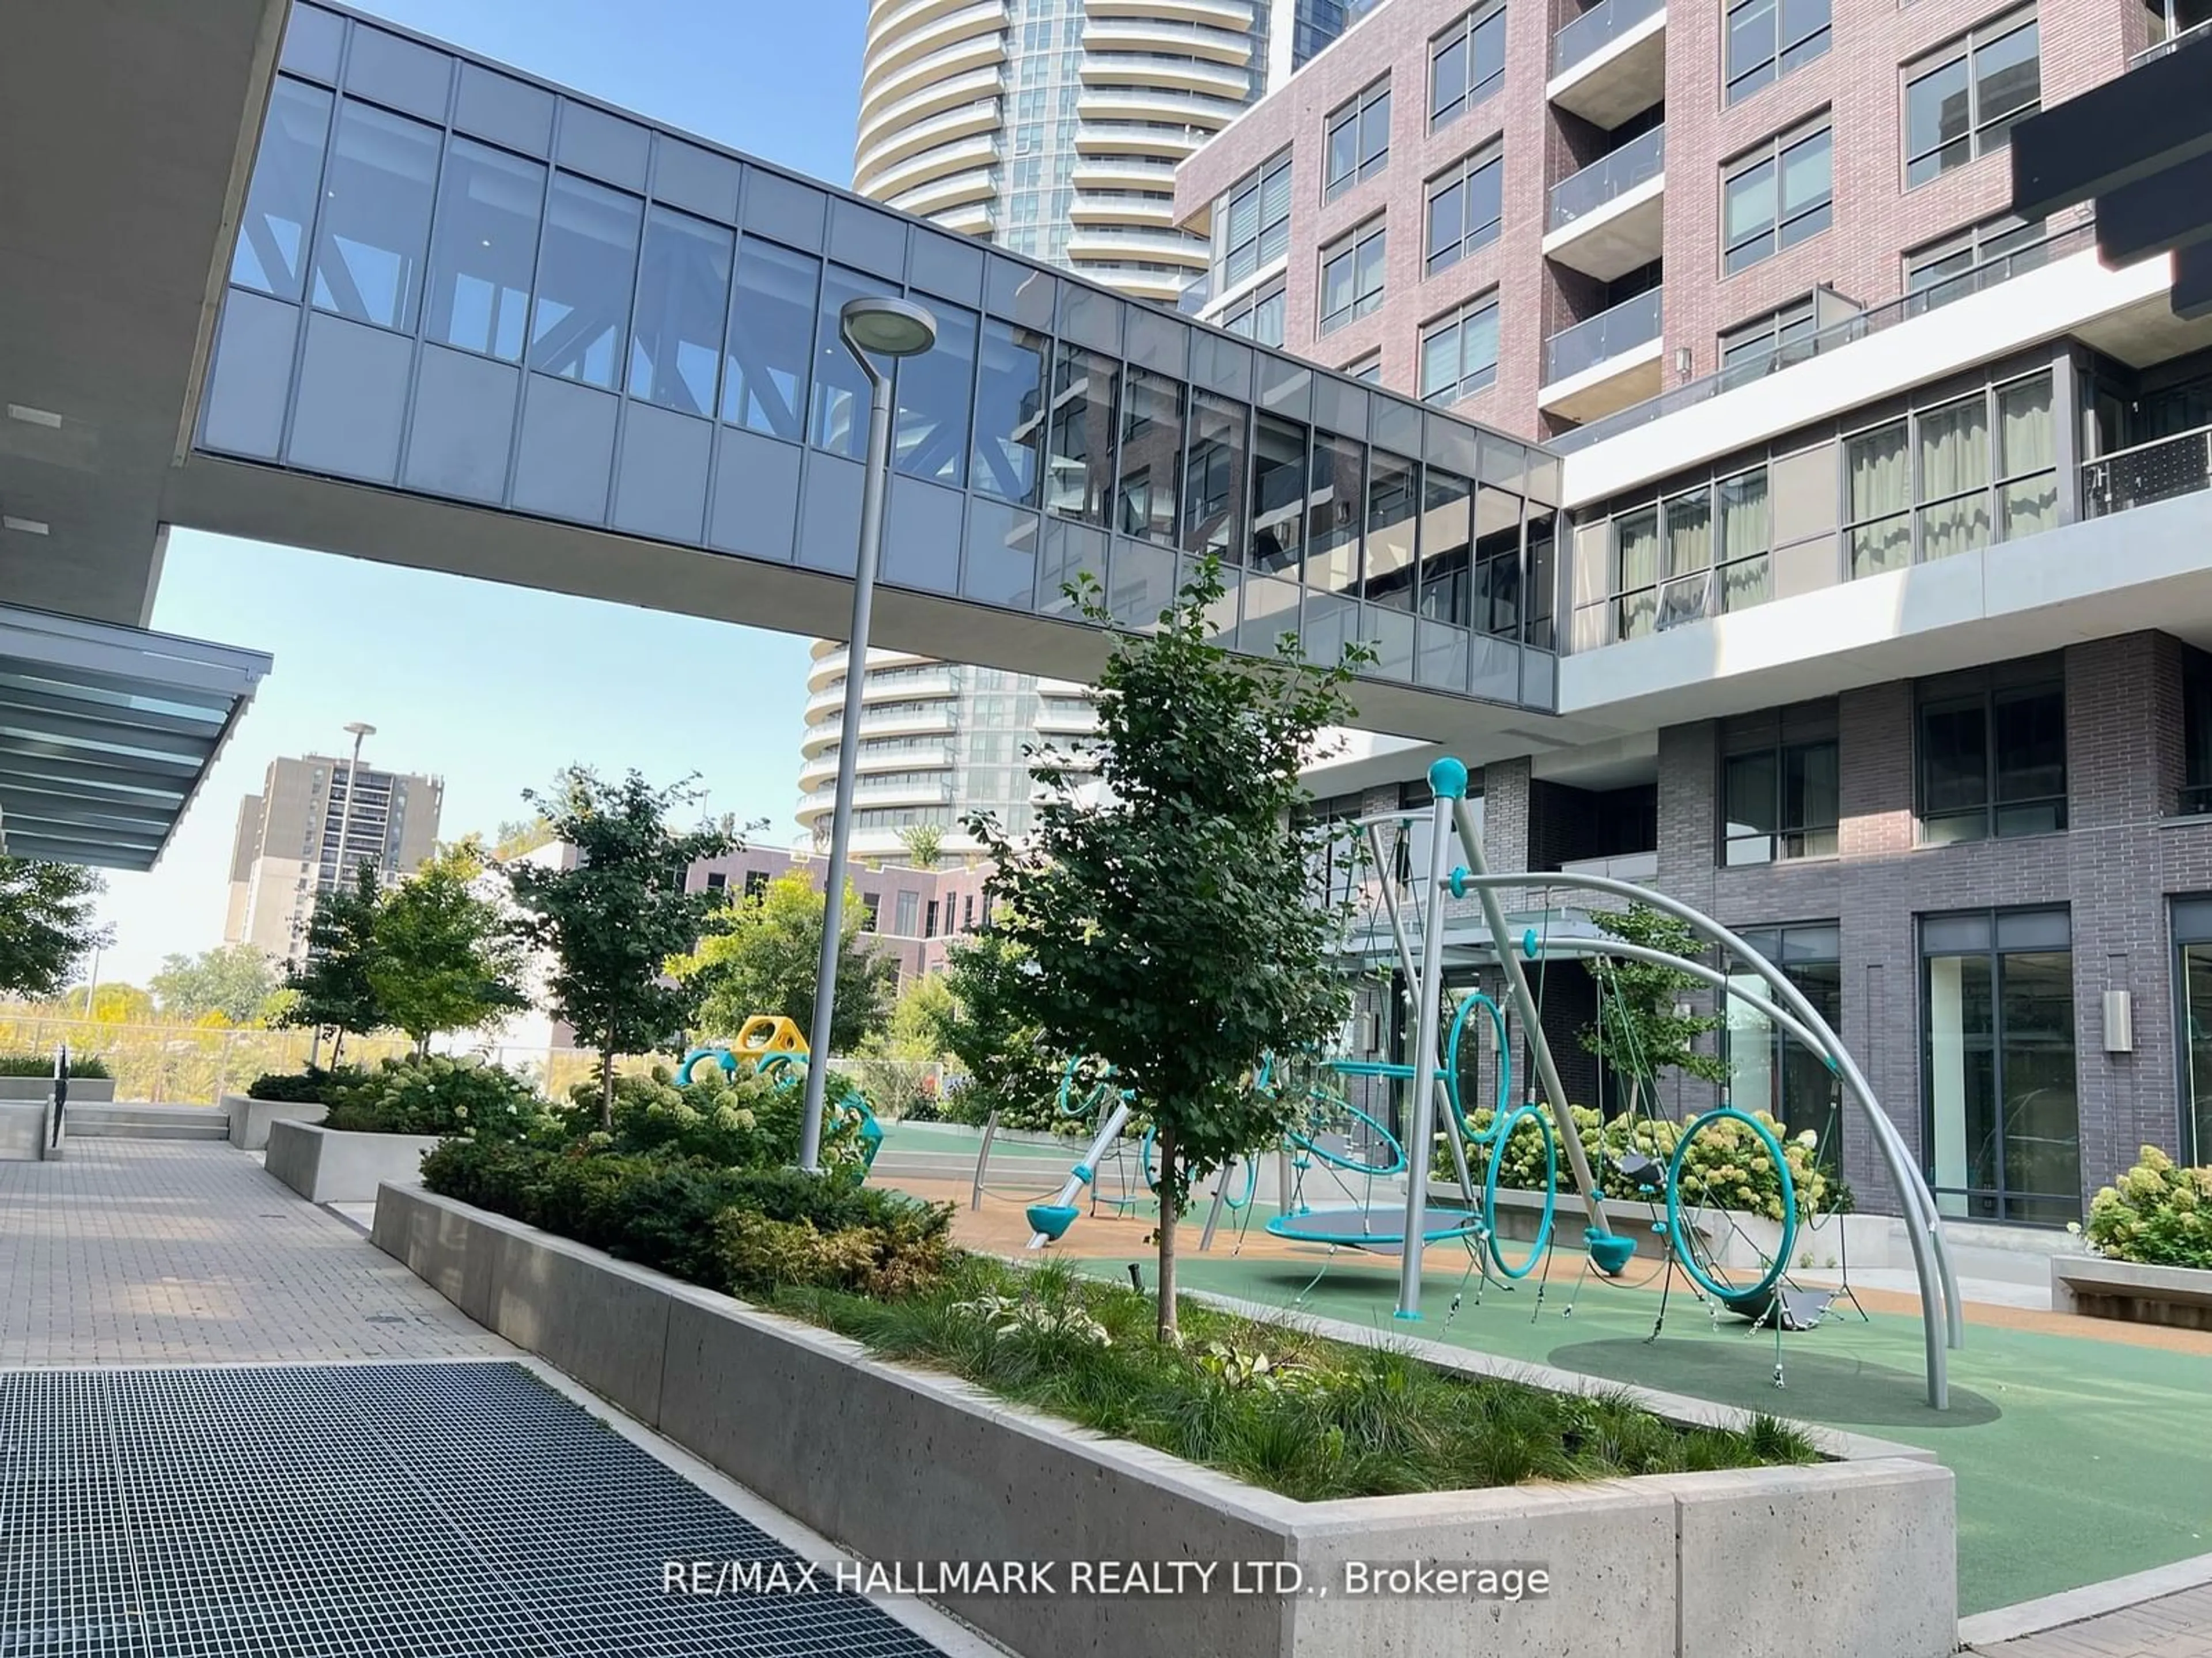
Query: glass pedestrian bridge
point(568, 349)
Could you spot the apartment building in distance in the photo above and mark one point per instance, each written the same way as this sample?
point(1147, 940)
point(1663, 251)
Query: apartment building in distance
point(315, 820)
point(1882, 579)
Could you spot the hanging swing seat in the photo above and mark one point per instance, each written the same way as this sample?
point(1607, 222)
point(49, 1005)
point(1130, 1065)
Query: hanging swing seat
point(1787, 1306)
point(1380, 1231)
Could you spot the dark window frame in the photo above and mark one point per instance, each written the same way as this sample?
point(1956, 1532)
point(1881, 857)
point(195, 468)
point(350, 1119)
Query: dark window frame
point(1786, 227)
point(1460, 175)
point(1801, 732)
point(1465, 33)
point(1367, 114)
point(1803, 47)
point(1466, 385)
point(1986, 134)
point(2008, 684)
point(1354, 246)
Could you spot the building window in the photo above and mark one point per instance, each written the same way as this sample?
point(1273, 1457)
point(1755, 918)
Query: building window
point(1467, 64)
point(1252, 223)
point(1992, 751)
point(1961, 102)
point(716, 880)
point(1779, 785)
point(871, 910)
point(1952, 478)
point(1465, 206)
point(2192, 981)
point(1775, 196)
point(1994, 251)
point(1367, 368)
point(2002, 1123)
point(1772, 1071)
point(1359, 140)
point(1259, 315)
point(1459, 352)
point(755, 883)
point(1665, 556)
point(2196, 737)
point(1352, 277)
point(929, 923)
point(1767, 39)
point(907, 915)
point(1765, 343)
point(967, 914)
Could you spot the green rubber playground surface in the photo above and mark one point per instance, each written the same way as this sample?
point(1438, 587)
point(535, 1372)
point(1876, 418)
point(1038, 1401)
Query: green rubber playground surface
point(2077, 1460)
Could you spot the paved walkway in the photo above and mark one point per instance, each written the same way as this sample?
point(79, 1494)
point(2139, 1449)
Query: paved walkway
point(180, 1252)
point(2173, 1626)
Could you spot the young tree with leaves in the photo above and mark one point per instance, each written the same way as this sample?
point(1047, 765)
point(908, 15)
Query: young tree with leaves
point(924, 844)
point(47, 924)
point(1011, 1069)
point(235, 981)
point(761, 956)
point(446, 959)
point(615, 922)
point(1170, 916)
point(1638, 1033)
point(332, 989)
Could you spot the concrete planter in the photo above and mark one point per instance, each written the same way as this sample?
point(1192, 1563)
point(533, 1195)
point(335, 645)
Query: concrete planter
point(81, 1090)
point(250, 1118)
point(1847, 1559)
point(2097, 1288)
point(325, 1166)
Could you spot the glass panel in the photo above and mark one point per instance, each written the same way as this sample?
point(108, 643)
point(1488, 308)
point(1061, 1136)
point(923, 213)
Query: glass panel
point(1878, 487)
point(929, 437)
point(784, 209)
point(1954, 766)
point(1540, 585)
point(1079, 465)
point(375, 222)
point(1959, 994)
point(1214, 482)
point(1151, 457)
point(504, 111)
point(1009, 412)
point(2030, 732)
point(1954, 457)
point(288, 182)
point(1748, 215)
point(1446, 522)
point(1811, 800)
point(605, 146)
point(2196, 1037)
point(463, 426)
point(755, 497)
point(484, 249)
point(771, 321)
point(353, 392)
point(1936, 123)
point(251, 377)
point(1278, 502)
point(2008, 79)
point(683, 295)
point(687, 176)
point(568, 451)
point(839, 422)
point(921, 535)
point(1390, 531)
point(1750, 792)
point(1750, 47)
point(1340, 468)
point(1002, 549)
point(1497, 562)
point(1447, 225)
point(1448, 80)
point(2042, 1158)
point(399, 73)
point(584, 281)
point(1343, 152)
point(312, 39)
point(1689, 534)
point(2023, 429)
point(1805, 188)
point(660, 483)
point(1742, 526)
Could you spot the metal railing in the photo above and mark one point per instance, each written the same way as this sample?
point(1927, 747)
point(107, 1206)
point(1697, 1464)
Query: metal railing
point(1988, 274)
point(1580, 194)
point(2193, 35)
point(1601, 24)
point(2157, 471)
point(1590, 342)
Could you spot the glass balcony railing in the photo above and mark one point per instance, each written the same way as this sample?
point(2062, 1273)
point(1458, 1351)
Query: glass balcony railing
point(1590, 342)
point(1583, 193)
point(1597, 27)
point(2158, 470)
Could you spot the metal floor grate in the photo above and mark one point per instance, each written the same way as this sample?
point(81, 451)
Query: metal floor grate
point(326, 1510)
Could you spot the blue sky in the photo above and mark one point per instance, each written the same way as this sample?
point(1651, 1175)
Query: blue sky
point(494, 688)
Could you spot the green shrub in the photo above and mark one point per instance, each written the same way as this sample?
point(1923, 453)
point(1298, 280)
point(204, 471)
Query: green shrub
point(738, 1123)
point(312, 1086)
point(1727, 1167)
point(760, 1256)
point(2158, 1213)
point(434, 1096)
point(42, 1064)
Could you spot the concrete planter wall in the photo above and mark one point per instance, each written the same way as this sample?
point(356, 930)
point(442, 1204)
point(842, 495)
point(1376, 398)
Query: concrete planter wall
point(1843, 1560)
point(250, 1118)
point(97, 1089)
point(2097, 1288)
point(325, 1166)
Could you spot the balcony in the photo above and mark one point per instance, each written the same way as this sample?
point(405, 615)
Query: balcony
point(1199, 40)
point(1235, 14)
point(1604, 362)
point(1110, 137)
point(1114, 245)
point(1611, 62)
point(1621, 866)
point(1154, 68)
point(964, 121)
point(2158, 470)
point(1123, 207)
point(1606, 219)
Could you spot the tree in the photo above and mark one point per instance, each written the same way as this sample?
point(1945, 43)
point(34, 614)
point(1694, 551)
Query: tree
point(235, 981)
point(923, 843)
point(921, 1021)
point(1638, 1033)
point(332, 989)
point(445, 957)
point(1011, 1069)
point(1169, 914)
point(614, 921)
point(46, 924)
point(762, 956)
point(120, 1003)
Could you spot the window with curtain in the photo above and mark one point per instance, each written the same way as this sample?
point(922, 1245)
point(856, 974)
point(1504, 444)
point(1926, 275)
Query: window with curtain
point(1953, 459)
point(1635, 572)
point(1878, 499)
point(1961, 102)
point(1687, 558)
point(2027, 459)
point(1459, 352)
point(1743, 535)
point(1467, 64)
point(1358, 145)
point(1466, 205)
point(1775, 197)
point(1352, 277)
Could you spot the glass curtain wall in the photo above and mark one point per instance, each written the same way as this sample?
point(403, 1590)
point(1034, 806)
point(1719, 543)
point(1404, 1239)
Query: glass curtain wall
point(2192, 983)
point(1772, 1071)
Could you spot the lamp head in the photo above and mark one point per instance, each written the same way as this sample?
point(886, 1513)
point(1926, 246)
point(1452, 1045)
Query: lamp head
point(358, 728)
point(886, 327)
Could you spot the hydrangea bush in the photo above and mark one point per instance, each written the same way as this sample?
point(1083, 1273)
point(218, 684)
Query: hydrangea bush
point(2158, 1213)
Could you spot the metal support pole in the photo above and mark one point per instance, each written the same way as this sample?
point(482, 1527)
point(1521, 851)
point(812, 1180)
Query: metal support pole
point(1406, 963)
point(875, 481)
point(1421, 1104)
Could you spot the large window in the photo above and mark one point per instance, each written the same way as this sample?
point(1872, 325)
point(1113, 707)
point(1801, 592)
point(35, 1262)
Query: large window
point(1352, 277)
point(1772, 1071)
point(683, 297)
point(1992, 751)
point(1467, 64)
point(764, 379)
point(280, 207)
point(1767, 39)
point(1466, 203)
point(1151, 456)
point(1259, 315)
point(1775, 197)
point(1779, 785)
point(2003, 1126)
point(375, 229)
point(1359, 140)
point(2195, 736)
point(1214, 479)
point(485, 249)
point(1953, 477)
point(1961, 263)
point(1079, 448)
point(1459, 352)
point(1009, 412)
point(2192, 975)
point(1699, 551)
point(1252, 223)
point(1961, 102)
point(584, 282)
point(1767, 342)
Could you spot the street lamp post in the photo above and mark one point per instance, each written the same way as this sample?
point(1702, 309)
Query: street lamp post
point(871, 328)
point(357, 730)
